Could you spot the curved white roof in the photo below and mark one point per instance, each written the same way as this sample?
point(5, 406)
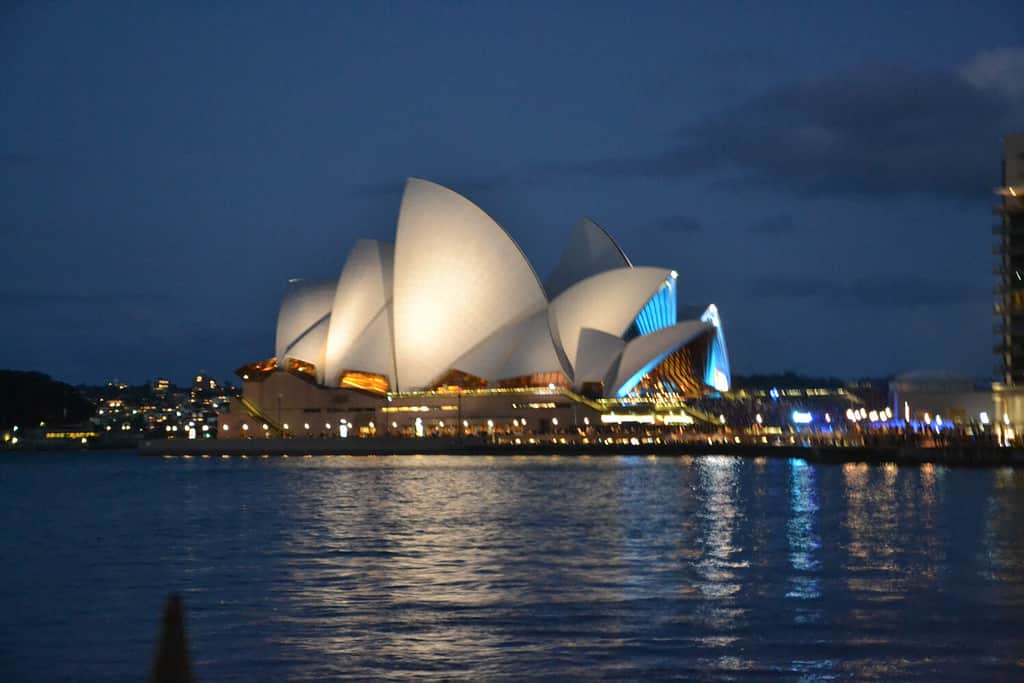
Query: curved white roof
point(486, 359)
point(362, 297)
point(643, 354)
point(521, 348)
point(534, 351)
point(371, 351)
point(303, 321)
point(608, 302)
point(589, 251)
point(459, 278)
point(597, 353)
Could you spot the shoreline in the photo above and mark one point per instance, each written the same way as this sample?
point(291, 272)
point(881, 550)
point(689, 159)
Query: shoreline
point(965, 456)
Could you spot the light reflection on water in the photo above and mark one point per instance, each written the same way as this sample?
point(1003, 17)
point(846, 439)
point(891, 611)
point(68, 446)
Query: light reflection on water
point(435, 567)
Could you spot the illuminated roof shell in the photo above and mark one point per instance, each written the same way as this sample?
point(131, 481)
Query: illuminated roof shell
point(458, 278)
point(360, 309)
point(608, 302)
point(597, 356)
point(589, 251)
point(643, 354)
point(303, 320)
point(455, 297)
point(534, 351)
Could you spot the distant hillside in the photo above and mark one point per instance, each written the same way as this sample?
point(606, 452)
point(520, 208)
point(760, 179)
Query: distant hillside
point(28, 398)
point(786, 380)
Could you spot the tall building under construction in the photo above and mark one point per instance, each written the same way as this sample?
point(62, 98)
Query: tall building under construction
point(1010, 268)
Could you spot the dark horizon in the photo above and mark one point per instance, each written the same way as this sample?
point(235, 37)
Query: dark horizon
point(823, 175)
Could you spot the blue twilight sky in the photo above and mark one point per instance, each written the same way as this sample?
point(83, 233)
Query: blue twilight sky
point(821, 171)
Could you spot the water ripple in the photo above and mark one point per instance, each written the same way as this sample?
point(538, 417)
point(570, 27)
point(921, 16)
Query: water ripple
point(710, 568)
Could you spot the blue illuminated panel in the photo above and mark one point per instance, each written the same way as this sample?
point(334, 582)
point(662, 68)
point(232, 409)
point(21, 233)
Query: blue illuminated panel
point(658, 313)
point(717, 374)
point(640, 374)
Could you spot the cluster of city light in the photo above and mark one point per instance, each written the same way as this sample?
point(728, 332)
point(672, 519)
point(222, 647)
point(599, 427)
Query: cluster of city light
point(859, 415)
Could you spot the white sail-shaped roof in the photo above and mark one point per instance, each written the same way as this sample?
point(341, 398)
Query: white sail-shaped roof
point(486, 359)
point(521, 348)
point(362, 297)
point(643, 353)
point(303, 320)
point(608, 302)
point(534, 351)
point(597, 354)
point(589, 251)
point(371, 351)
point(458, 278)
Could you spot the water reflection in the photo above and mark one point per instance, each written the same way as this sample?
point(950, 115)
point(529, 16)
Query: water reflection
point(803, 540)
point(717, 568)
point(529, 568)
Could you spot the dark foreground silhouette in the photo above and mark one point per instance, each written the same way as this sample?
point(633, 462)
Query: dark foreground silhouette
point(171, 663)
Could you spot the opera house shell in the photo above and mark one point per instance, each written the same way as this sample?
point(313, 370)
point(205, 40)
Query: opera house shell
point(454, 302)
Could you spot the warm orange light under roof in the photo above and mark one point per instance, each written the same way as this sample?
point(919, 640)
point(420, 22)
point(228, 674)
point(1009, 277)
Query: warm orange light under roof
point(301, 367)
point(257, 370)
point(366, 381)
point(457, 380)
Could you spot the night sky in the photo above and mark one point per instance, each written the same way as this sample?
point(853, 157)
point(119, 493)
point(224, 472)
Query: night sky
point(821, 172)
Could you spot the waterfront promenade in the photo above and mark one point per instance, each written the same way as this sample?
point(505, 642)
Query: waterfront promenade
point(981, 455)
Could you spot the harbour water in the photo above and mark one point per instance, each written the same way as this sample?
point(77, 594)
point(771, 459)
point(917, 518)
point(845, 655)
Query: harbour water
point(709, 568)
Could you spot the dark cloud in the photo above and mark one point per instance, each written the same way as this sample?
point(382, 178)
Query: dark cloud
point(773, 225)
point(886, 292)
point(679, 224)
point(872, 131)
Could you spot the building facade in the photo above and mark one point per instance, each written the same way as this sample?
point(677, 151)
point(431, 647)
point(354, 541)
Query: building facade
point(453, 308)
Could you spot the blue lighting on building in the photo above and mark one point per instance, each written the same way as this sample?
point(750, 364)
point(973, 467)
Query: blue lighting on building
point(635, 379)
point(717, 374)
point(658, 313)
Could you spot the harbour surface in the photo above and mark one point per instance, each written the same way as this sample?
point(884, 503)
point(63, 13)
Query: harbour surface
point(435, 567)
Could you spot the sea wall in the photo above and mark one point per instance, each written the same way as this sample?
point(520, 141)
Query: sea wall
point(978, 456)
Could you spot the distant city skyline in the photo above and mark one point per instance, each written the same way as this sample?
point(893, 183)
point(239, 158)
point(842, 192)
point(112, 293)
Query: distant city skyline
point(824, 175)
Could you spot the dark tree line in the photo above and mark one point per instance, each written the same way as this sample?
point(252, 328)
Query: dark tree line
point(28, 398)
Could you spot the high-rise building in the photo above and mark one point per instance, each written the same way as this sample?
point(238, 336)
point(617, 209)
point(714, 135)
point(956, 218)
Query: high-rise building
point(1010, 269)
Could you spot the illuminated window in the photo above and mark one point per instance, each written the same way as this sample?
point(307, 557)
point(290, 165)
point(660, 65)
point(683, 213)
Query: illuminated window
point(539, 379)
point(364, 381)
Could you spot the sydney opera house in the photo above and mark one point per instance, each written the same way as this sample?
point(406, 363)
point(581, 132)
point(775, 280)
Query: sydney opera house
point(449, 328)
